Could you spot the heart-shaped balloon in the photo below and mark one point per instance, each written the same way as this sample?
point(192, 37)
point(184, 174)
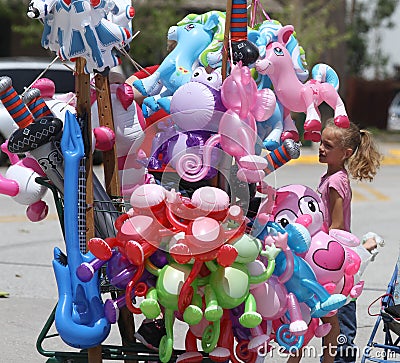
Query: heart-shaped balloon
point(330, 258)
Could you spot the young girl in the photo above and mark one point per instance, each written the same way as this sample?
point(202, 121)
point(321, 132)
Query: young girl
point(348, 152)
point(345, 151)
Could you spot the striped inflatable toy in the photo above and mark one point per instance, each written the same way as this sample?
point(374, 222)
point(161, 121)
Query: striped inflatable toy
point(14, 104)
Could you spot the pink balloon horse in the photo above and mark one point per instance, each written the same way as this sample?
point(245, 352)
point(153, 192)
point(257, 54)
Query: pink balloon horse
point(296, 96)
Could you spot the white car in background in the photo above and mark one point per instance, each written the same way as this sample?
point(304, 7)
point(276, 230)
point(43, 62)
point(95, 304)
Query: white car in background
point(393, 122)
point(23, 71)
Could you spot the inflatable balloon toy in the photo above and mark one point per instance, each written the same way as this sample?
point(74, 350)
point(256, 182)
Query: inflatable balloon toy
point(199, 98)
point(121, 274)
point(211, 56)
point(170, 144)
point(19, 183)
point(195, 109)
point(80, 28)
point(282, 335)
point(176, 68)
point(79, 316)
point(170, 279)
point(266, 33)
point(245, 107)
point(36, 137)
point(242, 49)
point(138, 237)
point(155, 217)
point(299, 97)
point(277, 128)
point(210, 227)
point(274, 301)
point(219, 296)
point(128, 135)
point(237, 132)
point(217, 339)
point(330, 256)
point(302, 282)
point(58, 104)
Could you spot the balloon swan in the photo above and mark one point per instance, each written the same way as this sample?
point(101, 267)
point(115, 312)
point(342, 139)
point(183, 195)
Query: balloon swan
point(296, 96)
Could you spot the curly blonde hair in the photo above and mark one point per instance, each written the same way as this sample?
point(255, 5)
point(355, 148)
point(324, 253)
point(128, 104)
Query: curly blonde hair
point(365, 160)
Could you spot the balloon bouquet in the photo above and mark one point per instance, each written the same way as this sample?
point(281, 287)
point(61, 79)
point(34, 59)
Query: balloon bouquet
point(239, 281)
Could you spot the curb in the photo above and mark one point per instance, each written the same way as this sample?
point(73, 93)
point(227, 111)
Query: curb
point(391, 157)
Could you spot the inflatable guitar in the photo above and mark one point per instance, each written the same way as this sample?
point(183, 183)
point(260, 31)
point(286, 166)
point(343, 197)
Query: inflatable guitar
point(80, 318)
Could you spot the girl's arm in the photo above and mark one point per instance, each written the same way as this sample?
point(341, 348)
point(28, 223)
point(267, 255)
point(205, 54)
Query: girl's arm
point(336, 212)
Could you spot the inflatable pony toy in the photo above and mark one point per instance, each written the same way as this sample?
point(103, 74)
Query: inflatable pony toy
point(332, 259)
point(176, 68)
point(266, 33)
point(299, 97)
point(211, 56)
point(277, 129)
point(81, 28)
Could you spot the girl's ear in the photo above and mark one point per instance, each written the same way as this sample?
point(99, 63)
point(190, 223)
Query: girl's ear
point(348, 152)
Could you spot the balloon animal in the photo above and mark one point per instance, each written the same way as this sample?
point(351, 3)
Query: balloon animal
point(296, 96)
point(19, 183)
point(334, 263)
point(176, 68)
point(170, 279)
point(237, 132)
point(80, 28)
point(302, 282)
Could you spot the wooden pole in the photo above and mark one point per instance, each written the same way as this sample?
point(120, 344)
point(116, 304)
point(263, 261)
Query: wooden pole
point(225, 49)
point(110, 163)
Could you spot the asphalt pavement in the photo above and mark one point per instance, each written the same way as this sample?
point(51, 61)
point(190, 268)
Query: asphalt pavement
point(27, 279)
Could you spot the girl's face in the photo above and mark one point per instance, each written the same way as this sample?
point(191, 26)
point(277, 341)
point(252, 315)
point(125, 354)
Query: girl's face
point(331, 150)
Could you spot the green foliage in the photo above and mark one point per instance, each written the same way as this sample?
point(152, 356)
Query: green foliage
point(149, 47)
point(15, 11)
point(366, 18)
point(312, 22)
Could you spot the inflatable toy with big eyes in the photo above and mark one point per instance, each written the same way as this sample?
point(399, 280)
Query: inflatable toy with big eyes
point(296, 96)
point(176, 68)
point(302, 281)
point(333, 261)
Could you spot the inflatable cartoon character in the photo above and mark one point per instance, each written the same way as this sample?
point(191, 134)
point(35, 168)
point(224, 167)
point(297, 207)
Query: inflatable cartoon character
point(296, 96)
point(176, 69)
point(333, 262)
